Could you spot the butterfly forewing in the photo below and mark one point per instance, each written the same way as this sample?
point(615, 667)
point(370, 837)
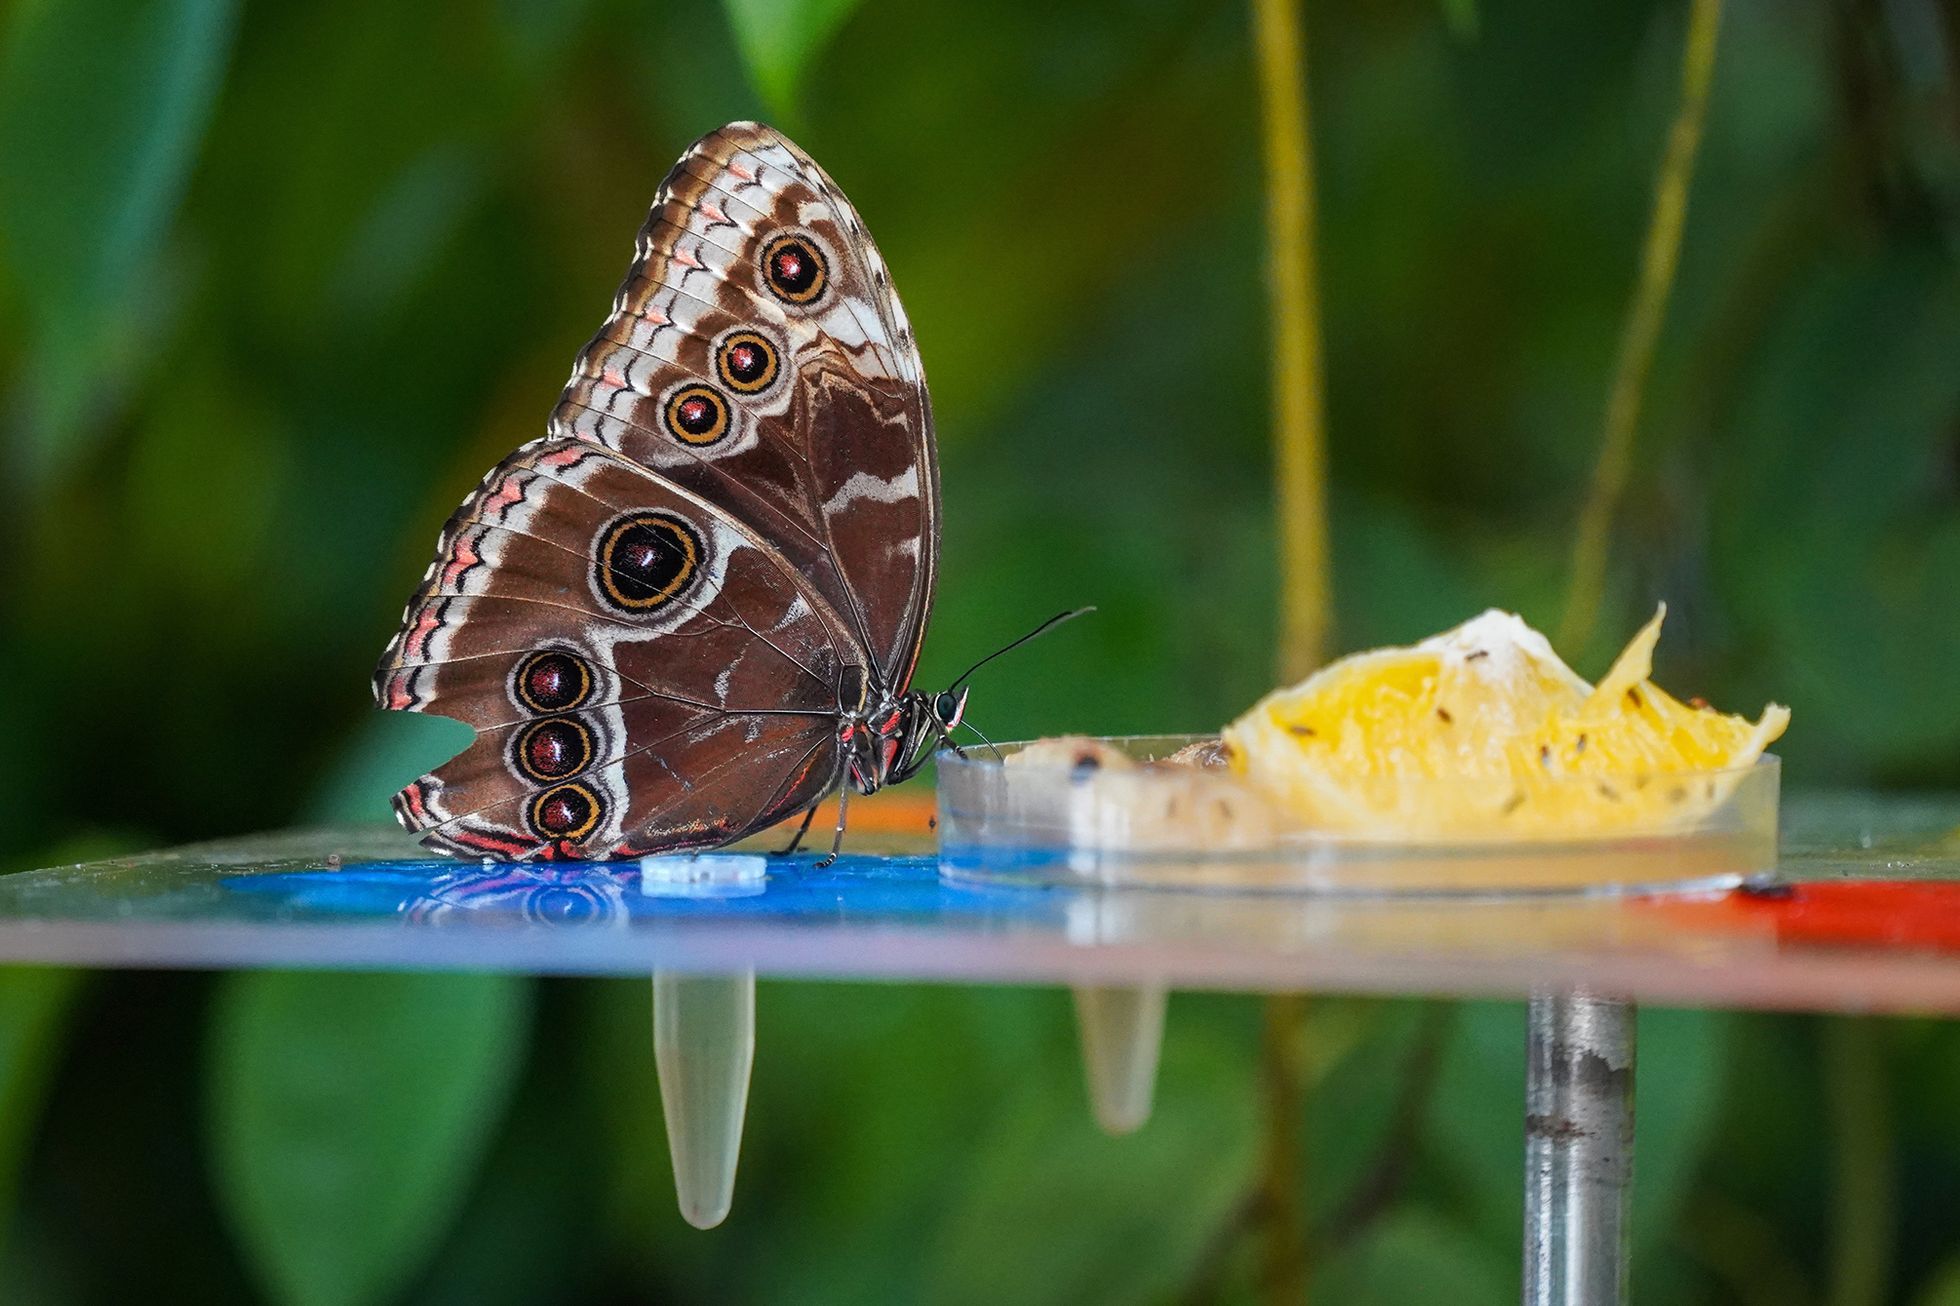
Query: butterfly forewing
point(658, 617)
point(758, 355)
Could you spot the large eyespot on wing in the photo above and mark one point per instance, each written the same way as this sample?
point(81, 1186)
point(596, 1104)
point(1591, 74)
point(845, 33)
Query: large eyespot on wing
point(756, 290)
point(607, 633)
point(645, 559)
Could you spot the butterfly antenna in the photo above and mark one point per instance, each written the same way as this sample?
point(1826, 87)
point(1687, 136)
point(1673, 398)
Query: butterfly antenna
point(1042, 629)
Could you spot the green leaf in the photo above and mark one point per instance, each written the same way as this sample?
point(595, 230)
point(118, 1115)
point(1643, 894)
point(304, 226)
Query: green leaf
point(1351, 1113)
point(348, 1116)
point(1417, 1256)
point(386, 752)
point(534, 1213)
point(1838, 540)
point(1680, 1077)
point(33, 1007)
point(1943, 1288)
point(780, 39)
point(1461, 15)
point(1476, 1122)
point(1054, 1211)
point(102, 106)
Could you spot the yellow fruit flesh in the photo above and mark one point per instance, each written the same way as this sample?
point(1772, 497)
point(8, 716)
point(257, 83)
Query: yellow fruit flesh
point(1483, 732)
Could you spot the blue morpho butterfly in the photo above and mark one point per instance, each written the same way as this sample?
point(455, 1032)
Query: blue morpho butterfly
point(694, 606)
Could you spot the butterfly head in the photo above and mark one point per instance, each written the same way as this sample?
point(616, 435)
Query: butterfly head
point(948, 709)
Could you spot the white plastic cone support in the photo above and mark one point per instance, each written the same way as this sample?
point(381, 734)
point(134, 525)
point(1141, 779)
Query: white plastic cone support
point(704, 1046)
point(1122, 1033)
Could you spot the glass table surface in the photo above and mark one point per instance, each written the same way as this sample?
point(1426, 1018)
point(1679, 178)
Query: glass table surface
point(369, 898)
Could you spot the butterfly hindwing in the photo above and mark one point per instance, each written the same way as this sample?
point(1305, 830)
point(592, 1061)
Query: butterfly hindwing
point(612, 639)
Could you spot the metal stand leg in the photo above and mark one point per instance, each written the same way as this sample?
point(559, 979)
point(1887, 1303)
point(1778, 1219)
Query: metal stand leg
point(1578, 1150)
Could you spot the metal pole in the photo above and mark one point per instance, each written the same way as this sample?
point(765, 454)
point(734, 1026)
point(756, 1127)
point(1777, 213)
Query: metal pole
point(1578, 1150)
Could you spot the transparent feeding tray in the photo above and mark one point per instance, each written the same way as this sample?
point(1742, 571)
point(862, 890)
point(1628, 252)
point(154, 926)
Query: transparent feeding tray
point(1194, 828)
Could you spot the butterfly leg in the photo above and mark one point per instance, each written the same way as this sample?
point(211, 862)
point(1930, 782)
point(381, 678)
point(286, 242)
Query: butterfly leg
point(801, 830)
point(837, 841)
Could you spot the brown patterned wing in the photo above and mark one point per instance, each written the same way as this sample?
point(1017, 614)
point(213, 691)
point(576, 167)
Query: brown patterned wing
point(758, 356)
point(643, 671)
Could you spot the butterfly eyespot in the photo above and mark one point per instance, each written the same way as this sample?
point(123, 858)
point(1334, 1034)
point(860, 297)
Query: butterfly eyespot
point(747, 362)
point(794, 269)
point(552, 681)
point(569, 811)
point(697, 415)
point(644, 560)
point(553, 749)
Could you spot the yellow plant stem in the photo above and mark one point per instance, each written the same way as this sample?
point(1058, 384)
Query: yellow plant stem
point(1299, 420)
point(1864, 1161)
point(1283, 1259)
point(1300, 492)
point(1641, 332)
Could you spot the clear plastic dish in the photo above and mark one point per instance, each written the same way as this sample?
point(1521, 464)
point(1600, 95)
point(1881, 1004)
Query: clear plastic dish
point(1174, 826)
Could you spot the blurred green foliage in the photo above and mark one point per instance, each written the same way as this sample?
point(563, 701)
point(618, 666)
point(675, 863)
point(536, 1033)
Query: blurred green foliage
point(278, 282)
point(348, 1112)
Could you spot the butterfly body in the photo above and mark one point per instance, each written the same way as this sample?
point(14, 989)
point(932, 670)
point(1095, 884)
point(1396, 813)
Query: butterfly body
point(892, 741)
point(693, 608)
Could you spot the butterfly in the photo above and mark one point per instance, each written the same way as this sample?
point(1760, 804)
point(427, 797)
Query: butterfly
point(694, 606)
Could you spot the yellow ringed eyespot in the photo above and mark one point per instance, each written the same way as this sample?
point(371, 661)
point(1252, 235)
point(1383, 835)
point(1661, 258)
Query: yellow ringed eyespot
point(696, 415)
point(643, 560)
point(553, 749)
point(551, 680)
point(568, 811)
point(746, 362)
point(794, 269)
